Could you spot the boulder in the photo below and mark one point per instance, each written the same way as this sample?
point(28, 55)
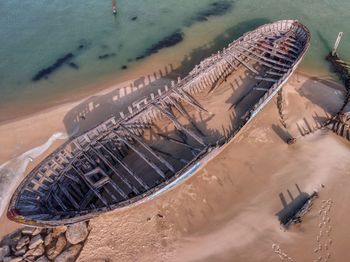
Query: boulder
point(11, 240)
point(13, 259)
point(4, 252)
point(37, 231)
point(77, 233)
point(59, 230)
point(28, 230)
point(35, 252)
point(36, 241)
point(57, 248)
point(21, 251)
point(69, 255)
point(22, 242)
point(42, 259)
point(48, 239)
point(29, 259)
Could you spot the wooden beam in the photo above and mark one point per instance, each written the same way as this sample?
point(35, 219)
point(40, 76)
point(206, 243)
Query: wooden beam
point(270, 72)
point(145, 146)
point(184, 161)
point(131, 173)
point(179, 142)
point(115, 171)
point(91, 187)
point(243, 63)
point(188, 99)
point(178, 126)
point(68, 195)
point(273, 52)
point(148, 161)
point(266, 79)
point(277, 50)
point(263, 57)
point(182, 111)
point(263, 63)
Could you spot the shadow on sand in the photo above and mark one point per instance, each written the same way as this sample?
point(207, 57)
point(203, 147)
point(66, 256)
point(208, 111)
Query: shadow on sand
point(290, 210)
point(97, 109)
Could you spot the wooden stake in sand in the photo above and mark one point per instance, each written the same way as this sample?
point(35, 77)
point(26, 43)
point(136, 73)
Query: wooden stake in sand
point(336, 44)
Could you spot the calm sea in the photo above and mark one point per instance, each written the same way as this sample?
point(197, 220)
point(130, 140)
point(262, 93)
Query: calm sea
point(50, 49)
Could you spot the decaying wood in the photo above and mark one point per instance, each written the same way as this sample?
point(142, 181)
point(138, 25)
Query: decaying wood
point(124, 160)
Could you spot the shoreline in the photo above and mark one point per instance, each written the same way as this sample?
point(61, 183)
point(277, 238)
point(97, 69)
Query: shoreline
point(41, 125)
point(113, 83)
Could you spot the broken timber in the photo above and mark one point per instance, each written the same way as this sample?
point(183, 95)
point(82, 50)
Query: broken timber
point(340, 123)
point(124, 161)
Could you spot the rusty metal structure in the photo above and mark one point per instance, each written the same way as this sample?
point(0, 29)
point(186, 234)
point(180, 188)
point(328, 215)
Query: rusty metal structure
point(136, 157)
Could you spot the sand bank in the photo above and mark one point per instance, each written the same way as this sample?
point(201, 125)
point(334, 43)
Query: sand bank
point(228, 209)
point(230, 205)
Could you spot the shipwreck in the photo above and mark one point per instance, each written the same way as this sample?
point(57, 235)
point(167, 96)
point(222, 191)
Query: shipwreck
point(136, 157)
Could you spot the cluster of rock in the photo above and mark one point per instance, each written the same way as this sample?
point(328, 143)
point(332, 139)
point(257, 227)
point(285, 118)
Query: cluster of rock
point(60, 244)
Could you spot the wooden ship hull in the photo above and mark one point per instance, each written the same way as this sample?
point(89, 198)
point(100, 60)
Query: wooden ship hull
point(136, 157)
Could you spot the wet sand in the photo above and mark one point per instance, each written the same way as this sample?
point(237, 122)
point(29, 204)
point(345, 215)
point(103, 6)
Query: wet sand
point(227, 210)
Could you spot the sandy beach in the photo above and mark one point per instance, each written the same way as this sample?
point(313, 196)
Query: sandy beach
point(228, 209)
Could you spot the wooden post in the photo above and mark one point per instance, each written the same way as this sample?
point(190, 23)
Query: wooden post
point(336, 44)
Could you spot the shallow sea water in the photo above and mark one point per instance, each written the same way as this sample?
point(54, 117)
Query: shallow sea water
point(35, 35)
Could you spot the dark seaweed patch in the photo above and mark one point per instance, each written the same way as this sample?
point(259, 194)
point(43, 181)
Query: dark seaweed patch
point(140, 57)
point(66, 59)
point(215, 9)
point(168, 41)
point(73, 65)
point(134, 18)
point(44, 73)
point(105, 56)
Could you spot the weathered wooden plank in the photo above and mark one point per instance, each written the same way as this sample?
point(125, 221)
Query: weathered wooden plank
point(143, 156)
point(145, 146)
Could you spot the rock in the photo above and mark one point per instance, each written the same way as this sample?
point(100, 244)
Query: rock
point(58, 231)
point(55, 250)
point(36, 241)
point(28, 230)
point(69, 255)
point(22, 242)
point(21, 252)
point(36, 252)
point(12, 239)
point(13, 259)
point(4, 252)
point(16, 236)
point(37, 231)
point(77, 233)
point(42, 259)
point(48, 239)
point(29, 259)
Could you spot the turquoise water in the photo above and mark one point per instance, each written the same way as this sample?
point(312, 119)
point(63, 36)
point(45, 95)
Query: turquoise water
point(35, 34)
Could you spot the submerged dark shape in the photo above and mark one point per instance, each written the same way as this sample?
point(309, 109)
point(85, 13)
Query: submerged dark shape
point(164, 138)
point(124, 67)
point(44, 73)
point(168, 41)
point(105, 56)
point(73, 65)
point(215, 9)
point(134, 18)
